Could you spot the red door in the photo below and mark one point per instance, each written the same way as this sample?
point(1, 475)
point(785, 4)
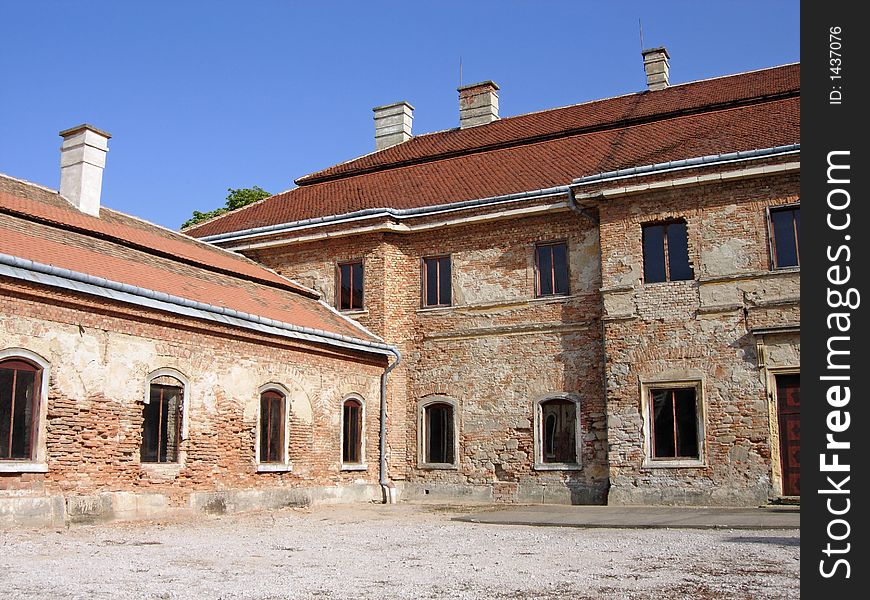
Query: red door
point(788, 395)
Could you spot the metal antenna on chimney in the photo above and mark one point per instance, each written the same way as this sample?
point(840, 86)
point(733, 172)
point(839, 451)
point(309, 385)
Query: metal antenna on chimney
point(460, 71)
point(640, 24)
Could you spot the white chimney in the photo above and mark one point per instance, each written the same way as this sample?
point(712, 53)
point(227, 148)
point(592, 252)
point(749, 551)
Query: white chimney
point(478, 104)
point(82, 158)
point(655, 64)
point(393, 124)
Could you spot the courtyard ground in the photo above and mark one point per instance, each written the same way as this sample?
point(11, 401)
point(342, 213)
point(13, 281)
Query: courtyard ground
point(392, 552)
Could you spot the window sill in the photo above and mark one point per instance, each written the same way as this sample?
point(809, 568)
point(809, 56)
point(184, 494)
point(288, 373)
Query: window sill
point(354, 312)
point(673, 464)
point(795, 269)
point(558, 467)
point(354, 467)
point(662, 283)
point(274, 468)
point(438, 466)
point(24, 466)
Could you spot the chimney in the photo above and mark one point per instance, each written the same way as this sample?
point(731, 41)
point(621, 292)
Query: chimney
point(655, 64)
point(392, 124)
point(82, 158)
point(478, 104)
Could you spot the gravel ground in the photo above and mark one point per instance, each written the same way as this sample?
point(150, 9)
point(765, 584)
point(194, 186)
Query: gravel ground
point(391, 552)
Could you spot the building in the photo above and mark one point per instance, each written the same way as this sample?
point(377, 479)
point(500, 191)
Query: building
point(142, 370)
point(595, 303)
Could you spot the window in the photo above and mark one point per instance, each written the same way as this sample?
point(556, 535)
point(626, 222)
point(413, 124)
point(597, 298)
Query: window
point(19, 409)
point(557, 433)
point(350, 285)
point(272, 419)
point(436, 281)
point(785, 225)
point(437, 427)
point(674, 423)
point(666, 252)
point(162, 420)
point(551, 268)
point(351, 442)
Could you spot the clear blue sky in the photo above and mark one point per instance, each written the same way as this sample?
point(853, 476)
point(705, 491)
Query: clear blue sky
point(201, 96)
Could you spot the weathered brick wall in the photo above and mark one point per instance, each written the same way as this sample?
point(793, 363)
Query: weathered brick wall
point(494, 352)
point(100, 354)
point(696, 330)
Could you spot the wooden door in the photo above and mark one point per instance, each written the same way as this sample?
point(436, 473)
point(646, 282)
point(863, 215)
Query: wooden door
point(788, 396)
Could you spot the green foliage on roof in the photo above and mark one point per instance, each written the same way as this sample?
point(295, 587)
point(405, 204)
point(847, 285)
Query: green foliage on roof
point(237, 198)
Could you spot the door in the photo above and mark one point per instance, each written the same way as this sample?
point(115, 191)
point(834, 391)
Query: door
point(788, 397)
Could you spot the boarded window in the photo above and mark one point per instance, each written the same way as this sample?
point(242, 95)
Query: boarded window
point(666, 252)
point(351, 450)
point(350, 285)
point(551, 267)
point(436, 281)
point(558, 435)
point(438, 428)
point(271, 427)
point(785, 225)
point(161, 426)
point(674, 423)
point(19, 409)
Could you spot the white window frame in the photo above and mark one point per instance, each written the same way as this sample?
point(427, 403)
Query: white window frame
point(38, 464)
point(539, 464)
point(287, 465)
point(422, 405)
point(360, 466)
point(646, 388)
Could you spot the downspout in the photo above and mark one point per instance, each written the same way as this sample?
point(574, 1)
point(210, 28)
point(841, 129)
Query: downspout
point(583, 212)
point(387, 487)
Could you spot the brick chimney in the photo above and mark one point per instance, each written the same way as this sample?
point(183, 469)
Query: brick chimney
point(82, 158)
point(655, 64)
point(478, 104)
point(393, 124)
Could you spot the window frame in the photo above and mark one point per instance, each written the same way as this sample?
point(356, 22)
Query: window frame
point(37, 462)
point(338, 266)
point(424, 281)
point(646, 390)
point(285, 464)
point(361, 465)
point(665, 249)
point(540, 464)
point(183, 415)
point(422, 434)
point(553, 294)
point(771, 237)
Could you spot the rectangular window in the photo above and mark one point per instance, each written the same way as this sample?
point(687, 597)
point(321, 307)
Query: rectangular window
point(551, 266)
point(436, 281)
point(666, 252)
point(674, 419)
point(19, 410)
point(350, 285)
point(785, 226)
point(271, 427)
point(558, 423)
point(351, 452)
point(438, 424)
point(161, 428)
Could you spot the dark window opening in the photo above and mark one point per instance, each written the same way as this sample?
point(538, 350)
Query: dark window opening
point(161, 427)
point(271, 427)
point(350, 286)
point(559, 419)
point(666, 253)
point(436, 281)
point(551, 267)
point(785, 233)
point(19, 409)
point(438, 424)
point(351, 451)
point(674, 423)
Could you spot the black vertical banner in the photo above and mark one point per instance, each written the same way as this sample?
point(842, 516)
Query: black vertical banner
point(835, 298)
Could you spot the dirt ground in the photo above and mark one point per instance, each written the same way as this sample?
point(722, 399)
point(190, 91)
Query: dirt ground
point(391, 552)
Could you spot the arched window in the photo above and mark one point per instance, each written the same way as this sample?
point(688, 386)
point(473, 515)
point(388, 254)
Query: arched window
point(272, 431)
point(20, 384)
point(437, 433)
point(352, 432)
point(162, 419)
point(557, 433)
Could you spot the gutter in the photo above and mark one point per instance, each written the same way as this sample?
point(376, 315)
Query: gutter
point(387, 487)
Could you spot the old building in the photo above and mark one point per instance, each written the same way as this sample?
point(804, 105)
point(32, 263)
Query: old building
point(142, 370)
point(595, 303)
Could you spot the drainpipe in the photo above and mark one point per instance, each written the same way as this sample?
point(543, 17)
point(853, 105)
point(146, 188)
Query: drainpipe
point(583, 212)
point(387, 486)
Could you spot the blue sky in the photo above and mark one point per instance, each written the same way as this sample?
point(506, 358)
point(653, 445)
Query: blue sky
point(201, 96)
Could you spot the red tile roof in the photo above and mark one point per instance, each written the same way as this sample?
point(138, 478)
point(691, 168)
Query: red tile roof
point(748, 111)
point(39, 225)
